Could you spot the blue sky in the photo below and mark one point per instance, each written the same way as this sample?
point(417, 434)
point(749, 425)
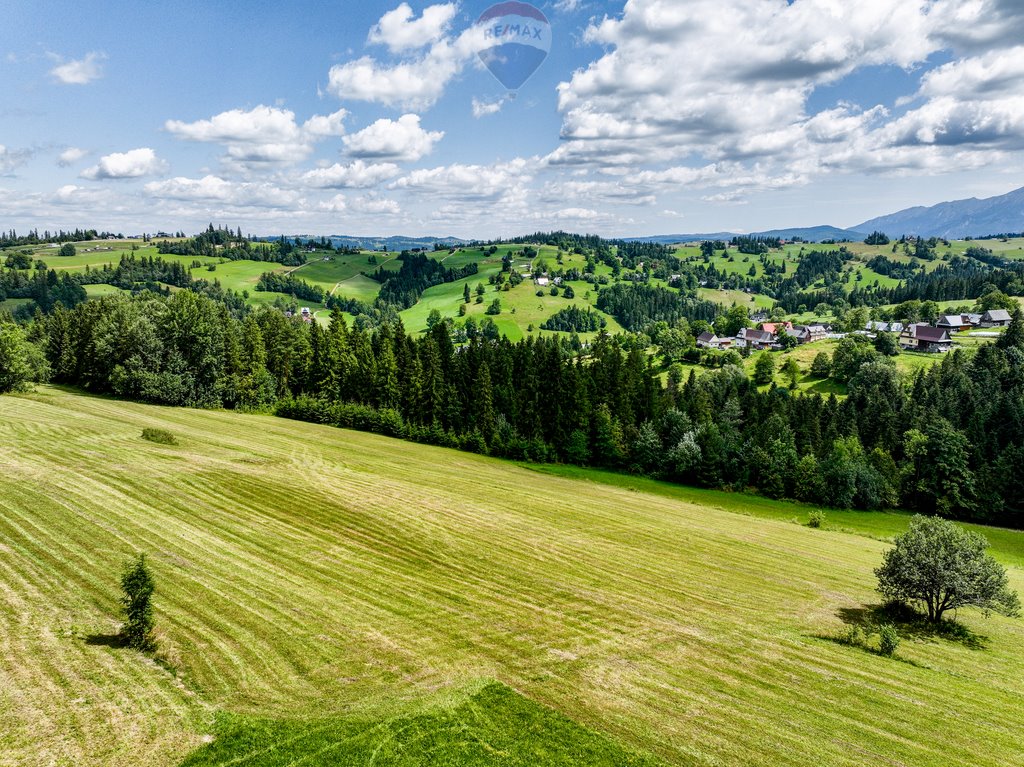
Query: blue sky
point(651, 116)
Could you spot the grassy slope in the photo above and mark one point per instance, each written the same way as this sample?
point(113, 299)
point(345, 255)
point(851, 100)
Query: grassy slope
point(521, 306)
point(233, 275)
point(729, 298)
point(314, 572)
point(1007, 545)
point(494, 725)
point(342, 272)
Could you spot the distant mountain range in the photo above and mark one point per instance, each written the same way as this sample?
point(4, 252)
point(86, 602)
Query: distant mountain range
point(808, 233)
point(393, 243)
point(955, 220)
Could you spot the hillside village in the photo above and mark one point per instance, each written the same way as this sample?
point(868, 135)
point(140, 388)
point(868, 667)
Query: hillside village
point(918, 336)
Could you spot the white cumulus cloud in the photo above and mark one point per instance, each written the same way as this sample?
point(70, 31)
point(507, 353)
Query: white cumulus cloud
point(412, 83)
point(577, 214)
point(356, 175)
point(213, 189)
point(70, 156)
point(323, 126)
point(375, 205)
point(484, 108)
point(743, 122)
point(368, 204)
point(132, 164)
point(470, 182)
point(261, 136)
point(400, 31)
point(402, 139)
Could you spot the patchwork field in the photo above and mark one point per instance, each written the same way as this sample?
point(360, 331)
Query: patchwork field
point(331, 597)
point(344, 275)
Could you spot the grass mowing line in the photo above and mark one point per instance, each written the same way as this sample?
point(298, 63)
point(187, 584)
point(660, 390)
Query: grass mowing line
point(339, 283)
point(1006, 544)
point(662, 621)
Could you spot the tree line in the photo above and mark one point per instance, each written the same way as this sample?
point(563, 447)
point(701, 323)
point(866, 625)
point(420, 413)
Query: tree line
point(948, 440)
point(636, 306)
point(573, 319)
point(233, 246)
point(12, 239)
point(417, 273)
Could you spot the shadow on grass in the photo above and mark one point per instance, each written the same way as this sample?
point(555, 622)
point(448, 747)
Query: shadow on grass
point(105, 640)
point(911, 624)
point(824, 386)
point(862, 645)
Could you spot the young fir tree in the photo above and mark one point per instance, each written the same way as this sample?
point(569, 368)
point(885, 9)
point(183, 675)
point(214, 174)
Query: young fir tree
point(137, 586)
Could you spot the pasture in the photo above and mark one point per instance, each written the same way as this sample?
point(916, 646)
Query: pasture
point(729, 298)
point(98, 253)
point(341, 272)
point(324, 593)
point(521, 306)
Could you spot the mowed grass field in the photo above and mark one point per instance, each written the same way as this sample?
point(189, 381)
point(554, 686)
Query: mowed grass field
point(342, 598)
point(339, 271)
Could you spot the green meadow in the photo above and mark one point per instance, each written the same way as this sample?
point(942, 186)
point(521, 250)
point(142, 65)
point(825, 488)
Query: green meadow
point(341, 272)
point(523, 311)
point(521, 307)
point(99, 253)
point(332, 597)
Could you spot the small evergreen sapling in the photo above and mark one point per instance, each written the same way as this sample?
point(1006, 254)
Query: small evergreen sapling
point(137, 586)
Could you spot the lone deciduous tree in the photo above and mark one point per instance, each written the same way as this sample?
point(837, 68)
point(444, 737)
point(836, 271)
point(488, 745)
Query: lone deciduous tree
point(137, 587)
point(942, 566)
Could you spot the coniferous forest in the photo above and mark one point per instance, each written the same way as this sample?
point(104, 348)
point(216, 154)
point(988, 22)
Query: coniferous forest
point(947, 440)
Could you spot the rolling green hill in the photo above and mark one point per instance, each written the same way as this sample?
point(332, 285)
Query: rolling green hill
point(344, 275)
point(327, 596)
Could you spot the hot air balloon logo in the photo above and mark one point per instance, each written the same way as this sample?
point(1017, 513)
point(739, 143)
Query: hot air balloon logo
point(516, 38)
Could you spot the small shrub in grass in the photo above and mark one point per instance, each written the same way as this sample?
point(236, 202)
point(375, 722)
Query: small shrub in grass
point(854, 636)
point(888, 640)
point(815, 519)
point(160, 436)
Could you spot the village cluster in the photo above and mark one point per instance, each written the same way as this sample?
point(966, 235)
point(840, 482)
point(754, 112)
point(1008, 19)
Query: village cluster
point(919, 336)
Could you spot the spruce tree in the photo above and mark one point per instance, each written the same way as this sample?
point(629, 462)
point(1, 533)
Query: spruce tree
point(137, 586)
point(1013, 337)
